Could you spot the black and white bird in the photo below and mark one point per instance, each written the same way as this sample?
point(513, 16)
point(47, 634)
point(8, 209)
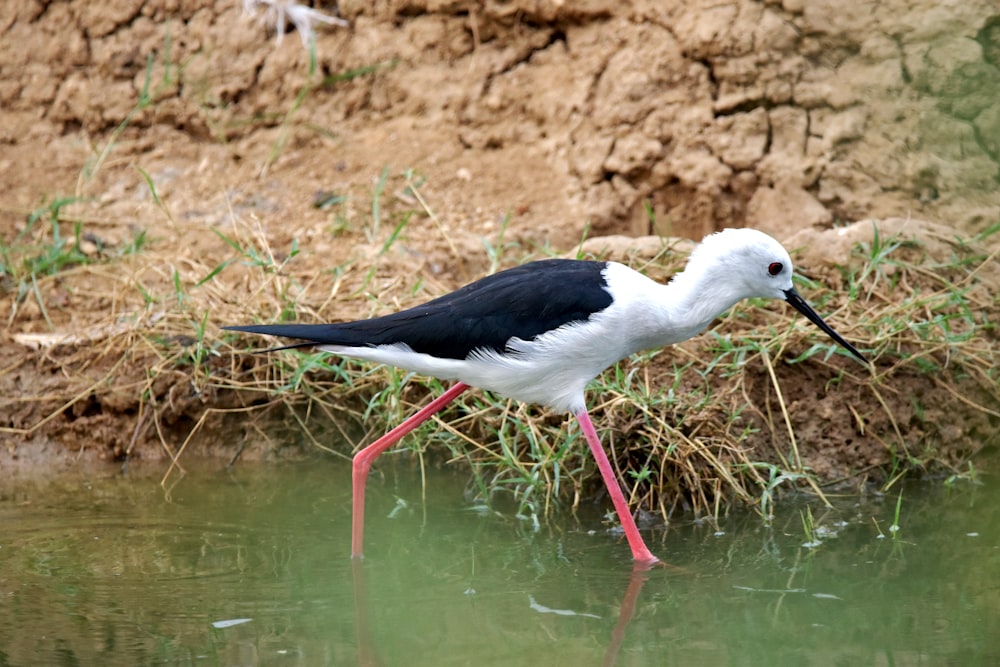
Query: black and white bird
point(540, 332)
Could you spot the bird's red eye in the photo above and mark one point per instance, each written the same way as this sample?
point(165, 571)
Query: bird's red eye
point(774, 268)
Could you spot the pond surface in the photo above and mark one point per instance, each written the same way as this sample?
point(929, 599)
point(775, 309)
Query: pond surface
point(250, 566)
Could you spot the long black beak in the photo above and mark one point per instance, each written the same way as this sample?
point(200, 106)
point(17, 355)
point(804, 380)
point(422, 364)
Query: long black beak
point(793, 297)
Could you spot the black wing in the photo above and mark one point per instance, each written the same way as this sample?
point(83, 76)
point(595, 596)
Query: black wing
point(524, 301)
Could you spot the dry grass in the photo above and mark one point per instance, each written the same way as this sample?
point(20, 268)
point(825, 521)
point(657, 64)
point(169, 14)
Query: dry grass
point(762, 403)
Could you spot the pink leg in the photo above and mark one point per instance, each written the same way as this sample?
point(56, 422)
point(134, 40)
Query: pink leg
point(363, 460)
point(639, 551)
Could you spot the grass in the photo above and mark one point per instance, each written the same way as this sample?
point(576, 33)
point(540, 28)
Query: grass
point(695, 441)
point(694, 429)
point(313, 82)
point(152, 89)
point(809, 528)
point(894, 528)
point(42, 251)
point(725, 420)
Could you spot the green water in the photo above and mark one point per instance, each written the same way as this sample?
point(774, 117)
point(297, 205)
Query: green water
point(251, 567)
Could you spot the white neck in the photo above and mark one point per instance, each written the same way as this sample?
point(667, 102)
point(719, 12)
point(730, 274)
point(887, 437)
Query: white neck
point(651, 315)
point(685, 306)
point(697, 296)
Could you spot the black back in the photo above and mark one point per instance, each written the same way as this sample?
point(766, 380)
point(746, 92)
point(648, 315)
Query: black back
point(524, 301)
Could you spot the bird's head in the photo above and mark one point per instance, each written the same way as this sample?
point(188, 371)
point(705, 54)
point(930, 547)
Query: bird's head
point(749, 263)
point(746, 261)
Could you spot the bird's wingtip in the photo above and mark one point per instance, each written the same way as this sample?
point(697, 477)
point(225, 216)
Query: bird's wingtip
point(270, 329)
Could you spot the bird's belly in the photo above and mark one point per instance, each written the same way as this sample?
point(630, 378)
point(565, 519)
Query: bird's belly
point(544, 371)
point(553, 369)
point(559, 386)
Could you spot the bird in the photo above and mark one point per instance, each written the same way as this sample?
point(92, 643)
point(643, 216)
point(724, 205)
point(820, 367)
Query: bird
point(542, 331)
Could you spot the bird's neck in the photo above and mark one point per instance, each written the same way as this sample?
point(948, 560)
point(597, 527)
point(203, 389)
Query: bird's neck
point(698, 295)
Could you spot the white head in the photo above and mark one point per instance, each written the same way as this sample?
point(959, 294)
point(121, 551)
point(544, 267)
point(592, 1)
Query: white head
point(747, 261)
point(736, 264)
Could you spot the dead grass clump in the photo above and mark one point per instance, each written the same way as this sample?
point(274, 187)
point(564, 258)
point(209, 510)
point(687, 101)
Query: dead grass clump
point(760, 404)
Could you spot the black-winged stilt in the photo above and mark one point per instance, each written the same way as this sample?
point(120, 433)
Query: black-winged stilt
point(540, 332)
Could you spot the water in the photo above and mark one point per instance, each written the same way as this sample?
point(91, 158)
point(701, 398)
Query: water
point(251, 567)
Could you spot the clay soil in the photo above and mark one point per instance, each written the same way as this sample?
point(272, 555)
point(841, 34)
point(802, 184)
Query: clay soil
point(428, 143)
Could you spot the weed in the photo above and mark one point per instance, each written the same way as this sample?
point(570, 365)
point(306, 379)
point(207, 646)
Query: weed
point(156, 195)
point(495, 251)
point(895, 527)
point(147, 97)
point(312, 82)
point(970, 474)
point(770, 485)
point(38, 251)
point(135, 244)
point(371, 232)
point(413, 187)
point(307, 87)
point(874, 269)
point(809, 528)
